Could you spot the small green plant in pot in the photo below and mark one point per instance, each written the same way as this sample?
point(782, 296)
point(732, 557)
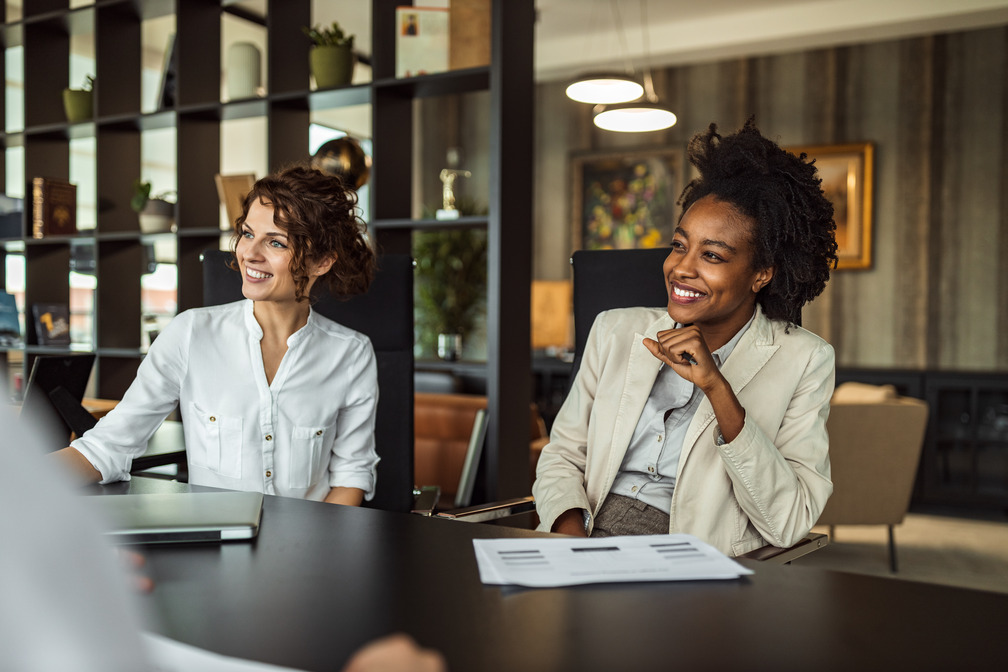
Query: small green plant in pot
point(78, 104)
point(331, 58)
point(450, 286)
point(156, 213)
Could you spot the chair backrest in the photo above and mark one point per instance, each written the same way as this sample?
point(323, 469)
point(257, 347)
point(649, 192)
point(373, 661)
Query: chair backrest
point(385, 315)
point(52, 398)
point(606, 279)
point(875, 446)
point(445, 452)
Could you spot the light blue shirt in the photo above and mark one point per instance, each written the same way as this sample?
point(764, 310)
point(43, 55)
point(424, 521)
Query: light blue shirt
point(648, 471)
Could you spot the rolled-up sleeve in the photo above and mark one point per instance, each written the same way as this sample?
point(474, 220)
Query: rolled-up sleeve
point(353, 459)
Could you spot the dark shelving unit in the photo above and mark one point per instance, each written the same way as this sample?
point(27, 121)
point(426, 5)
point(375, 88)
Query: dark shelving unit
point(45, 31)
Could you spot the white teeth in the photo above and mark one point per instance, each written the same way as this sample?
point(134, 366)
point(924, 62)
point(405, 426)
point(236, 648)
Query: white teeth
point(686, 293)
point(256, 274)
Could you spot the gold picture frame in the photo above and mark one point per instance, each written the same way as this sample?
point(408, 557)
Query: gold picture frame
point(232, 190)
point(847, 179)
point(625, 199)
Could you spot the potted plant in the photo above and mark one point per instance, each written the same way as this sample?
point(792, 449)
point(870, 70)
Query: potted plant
point(156, 213)
point(450, 285)
point(331, 58)
point(78, 104)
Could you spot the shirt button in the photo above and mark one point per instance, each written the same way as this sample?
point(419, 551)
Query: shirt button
point(650, 470)
point(659, 438)
point(268, 473)
point(633, 489)
point(318, 433)
point(213, 418)
point(269, 437)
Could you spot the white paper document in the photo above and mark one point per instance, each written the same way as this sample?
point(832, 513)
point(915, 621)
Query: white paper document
point(571, 561)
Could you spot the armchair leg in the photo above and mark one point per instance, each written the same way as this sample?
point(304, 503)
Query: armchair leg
point(892, 550)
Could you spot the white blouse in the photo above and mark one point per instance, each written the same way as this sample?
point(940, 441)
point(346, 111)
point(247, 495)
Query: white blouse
point(310, 430)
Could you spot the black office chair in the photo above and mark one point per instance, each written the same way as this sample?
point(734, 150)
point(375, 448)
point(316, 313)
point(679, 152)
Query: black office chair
point(385, 315)
point(606, 279)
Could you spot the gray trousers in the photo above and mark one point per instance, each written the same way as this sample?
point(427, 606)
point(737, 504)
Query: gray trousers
point(621, 516)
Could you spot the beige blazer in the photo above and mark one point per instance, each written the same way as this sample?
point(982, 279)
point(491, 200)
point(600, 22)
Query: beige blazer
point(769, 485)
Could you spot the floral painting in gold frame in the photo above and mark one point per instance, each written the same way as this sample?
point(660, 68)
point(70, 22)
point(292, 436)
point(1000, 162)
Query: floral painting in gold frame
point(846, 172)
point(625, 199)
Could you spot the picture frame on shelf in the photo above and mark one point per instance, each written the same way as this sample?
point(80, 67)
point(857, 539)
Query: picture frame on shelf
point(421, 40)
point(169, 77)
point(847, 180)
point(52, 323)
point(625, 199)
point(232, 190)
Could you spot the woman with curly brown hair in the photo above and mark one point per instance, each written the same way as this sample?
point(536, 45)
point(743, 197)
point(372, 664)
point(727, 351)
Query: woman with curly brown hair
point(274, 397)
point(709, 417)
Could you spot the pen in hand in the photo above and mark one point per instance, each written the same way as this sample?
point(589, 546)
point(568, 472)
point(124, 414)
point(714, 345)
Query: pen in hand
point(687, 357)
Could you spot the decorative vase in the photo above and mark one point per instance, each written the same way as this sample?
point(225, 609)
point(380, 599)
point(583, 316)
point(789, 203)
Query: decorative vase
point(157, 216)
point(449, 347)
point(77, 105)
point(331, 65)
point(244, 74)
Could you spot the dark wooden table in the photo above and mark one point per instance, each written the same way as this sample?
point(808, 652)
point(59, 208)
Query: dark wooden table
point(322, 580)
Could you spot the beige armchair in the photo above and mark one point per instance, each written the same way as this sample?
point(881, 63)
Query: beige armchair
point(875, 438)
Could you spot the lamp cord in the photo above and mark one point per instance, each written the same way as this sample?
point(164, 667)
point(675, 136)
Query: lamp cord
point(649, 92)
point(617, 19)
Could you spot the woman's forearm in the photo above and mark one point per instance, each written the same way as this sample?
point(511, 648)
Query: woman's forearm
point(347, 496)
point(77, 465)
point(727, 409)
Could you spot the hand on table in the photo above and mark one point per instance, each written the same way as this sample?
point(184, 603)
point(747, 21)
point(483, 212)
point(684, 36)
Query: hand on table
point(395, 653)
point(134, 563)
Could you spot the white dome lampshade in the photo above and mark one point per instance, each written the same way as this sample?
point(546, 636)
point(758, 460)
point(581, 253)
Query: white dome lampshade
point(604, 88)
point(638, 117)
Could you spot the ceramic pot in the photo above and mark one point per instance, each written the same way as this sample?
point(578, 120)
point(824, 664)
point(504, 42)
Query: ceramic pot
point(244, 73)
point(78, 105)
point(157, 216)
point(331, 65)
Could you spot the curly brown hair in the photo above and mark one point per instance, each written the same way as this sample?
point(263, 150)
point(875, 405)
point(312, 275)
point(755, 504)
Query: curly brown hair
point(319, 214)
point(781, 193)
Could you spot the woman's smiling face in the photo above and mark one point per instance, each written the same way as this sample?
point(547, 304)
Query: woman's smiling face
point(709, 273)
point(264, 257)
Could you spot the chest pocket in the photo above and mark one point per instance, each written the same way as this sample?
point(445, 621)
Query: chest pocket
point(306, 459)
point(219, 437)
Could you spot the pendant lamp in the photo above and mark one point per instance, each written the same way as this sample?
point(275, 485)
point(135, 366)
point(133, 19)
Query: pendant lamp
point(636, 117)
point(604, 88)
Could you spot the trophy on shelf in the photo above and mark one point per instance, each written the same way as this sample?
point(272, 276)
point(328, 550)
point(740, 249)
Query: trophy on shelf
point(448, 175)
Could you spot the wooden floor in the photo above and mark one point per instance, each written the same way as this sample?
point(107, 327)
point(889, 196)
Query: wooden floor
point(940, 549)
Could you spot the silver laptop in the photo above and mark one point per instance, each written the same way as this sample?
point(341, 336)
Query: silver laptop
point(160, 518)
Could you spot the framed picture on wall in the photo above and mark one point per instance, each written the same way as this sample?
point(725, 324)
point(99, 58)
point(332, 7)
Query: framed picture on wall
point(625, 199)
point(846, 172)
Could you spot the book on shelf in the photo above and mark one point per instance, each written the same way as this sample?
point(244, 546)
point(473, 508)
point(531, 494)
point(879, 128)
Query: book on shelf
point(11, 216)
point(52, 323)
point(54, 207)
point(10, 324)
point(421, 40)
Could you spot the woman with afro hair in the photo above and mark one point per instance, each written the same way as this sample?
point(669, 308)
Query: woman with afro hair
point(709, 417)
